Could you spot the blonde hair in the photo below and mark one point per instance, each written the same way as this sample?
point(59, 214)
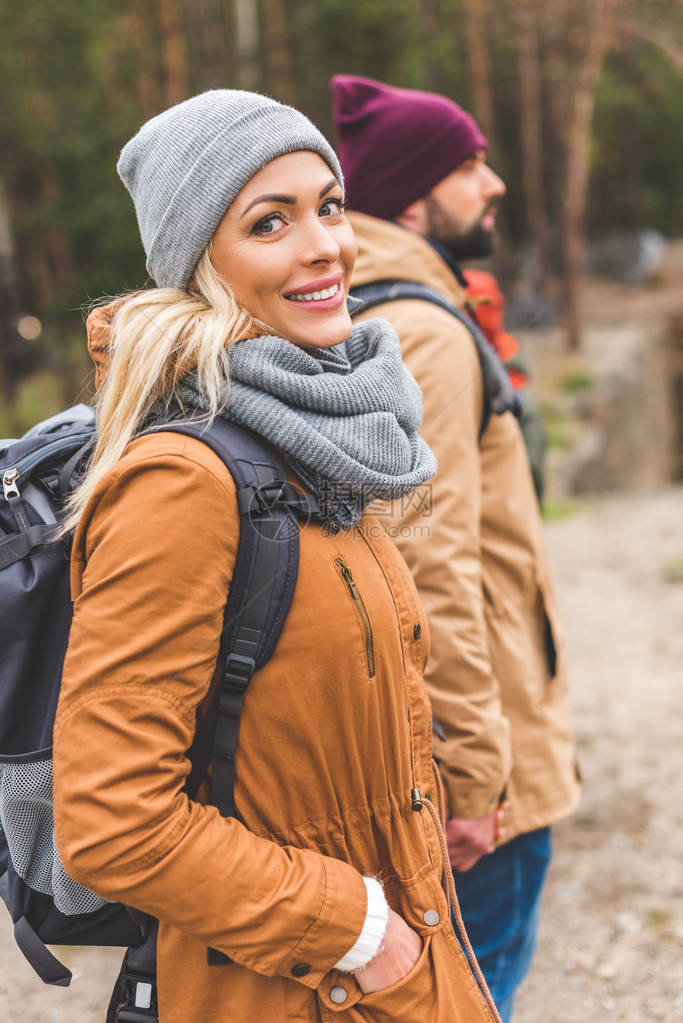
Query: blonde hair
point(157, 336)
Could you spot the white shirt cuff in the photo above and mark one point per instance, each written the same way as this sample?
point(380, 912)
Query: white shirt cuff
point(370, 938)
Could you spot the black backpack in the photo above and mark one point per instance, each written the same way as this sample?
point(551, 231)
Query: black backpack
point(37, 472)
point(499, 397)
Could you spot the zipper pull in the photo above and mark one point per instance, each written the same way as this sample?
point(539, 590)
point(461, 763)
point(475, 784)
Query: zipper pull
point(9, 483)
point(350, 581)
point(415, 800)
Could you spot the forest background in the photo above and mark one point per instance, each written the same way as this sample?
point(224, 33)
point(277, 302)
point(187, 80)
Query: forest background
point(581, 101)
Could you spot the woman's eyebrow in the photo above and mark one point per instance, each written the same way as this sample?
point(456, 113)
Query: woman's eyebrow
point(288, 199)
point(330, 184)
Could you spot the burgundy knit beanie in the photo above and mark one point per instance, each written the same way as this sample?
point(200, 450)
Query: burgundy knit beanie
point(395, 145)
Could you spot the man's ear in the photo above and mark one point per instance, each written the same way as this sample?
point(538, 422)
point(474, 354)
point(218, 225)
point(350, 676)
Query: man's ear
point(414, 217)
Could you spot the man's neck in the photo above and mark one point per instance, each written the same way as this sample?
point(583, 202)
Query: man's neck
point(441, 250)
point(449, 259)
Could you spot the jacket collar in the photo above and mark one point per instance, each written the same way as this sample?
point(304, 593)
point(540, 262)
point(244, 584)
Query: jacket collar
point(450, 261)
point(389, 251)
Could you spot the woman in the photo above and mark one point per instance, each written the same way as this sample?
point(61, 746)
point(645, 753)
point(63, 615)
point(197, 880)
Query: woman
point(240, 207)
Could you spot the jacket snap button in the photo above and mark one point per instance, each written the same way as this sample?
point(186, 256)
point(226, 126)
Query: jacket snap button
point(431, 917)
point(417, 631)
point(300, 970)
point(338, 995)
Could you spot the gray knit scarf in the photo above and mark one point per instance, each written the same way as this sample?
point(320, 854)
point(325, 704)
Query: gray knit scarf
point(345, 418)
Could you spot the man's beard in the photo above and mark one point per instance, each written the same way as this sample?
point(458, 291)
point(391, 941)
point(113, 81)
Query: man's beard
point(474, 243)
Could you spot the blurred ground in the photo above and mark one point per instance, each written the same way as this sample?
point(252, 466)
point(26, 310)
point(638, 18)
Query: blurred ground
point(611, 942)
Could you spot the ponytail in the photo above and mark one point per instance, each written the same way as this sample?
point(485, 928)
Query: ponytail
point(157, 336)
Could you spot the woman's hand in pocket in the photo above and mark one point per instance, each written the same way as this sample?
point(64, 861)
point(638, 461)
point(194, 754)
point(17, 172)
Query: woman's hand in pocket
point(398, 954)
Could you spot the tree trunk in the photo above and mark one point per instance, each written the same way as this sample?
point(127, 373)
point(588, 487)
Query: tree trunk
point(479, 67)
point(312, 73)
point(526, 13)
point(210, 67)
point(578, 163)
point(278, 54)
point(173, 52)
point(147, 78)
point(56, 240)
point(554, 73)
point(429, 25)
point(46, 258)
point(247, 37)
point(49, 264)
point(9, 341)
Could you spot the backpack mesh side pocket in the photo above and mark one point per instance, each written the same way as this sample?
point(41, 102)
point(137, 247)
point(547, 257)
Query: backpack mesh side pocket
point(27, 820)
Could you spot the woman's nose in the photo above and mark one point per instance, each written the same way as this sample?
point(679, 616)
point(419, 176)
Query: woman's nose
point(319, 245)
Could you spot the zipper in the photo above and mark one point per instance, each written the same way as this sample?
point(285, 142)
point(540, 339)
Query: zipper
point(416, 799)
point(25, 466)
point(347, 576)
point(9, 483)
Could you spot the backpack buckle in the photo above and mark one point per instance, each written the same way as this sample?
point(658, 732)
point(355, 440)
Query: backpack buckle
point(261, 498)
point(139, 1004)
point(238, 670)
point(135, 996)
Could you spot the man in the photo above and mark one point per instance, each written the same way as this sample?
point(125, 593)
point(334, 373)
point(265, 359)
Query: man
point(421, 199)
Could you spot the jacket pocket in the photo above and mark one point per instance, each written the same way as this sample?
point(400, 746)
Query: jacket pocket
point(361, 613)
point(550, 648)
point(411, 998)
point(440, 988)
point(547, 636)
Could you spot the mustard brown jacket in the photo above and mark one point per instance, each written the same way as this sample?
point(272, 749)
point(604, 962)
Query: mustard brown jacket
point(335, 733)
point(497, 676)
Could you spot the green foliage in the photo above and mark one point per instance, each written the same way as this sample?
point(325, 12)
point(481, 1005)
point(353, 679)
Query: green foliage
point(556, 511)
point(558, 426)
point(638, 171)
point(575, 383)
point(40, 395)
point(672, 571)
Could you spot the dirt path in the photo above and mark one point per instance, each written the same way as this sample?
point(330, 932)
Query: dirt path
point(611, 943)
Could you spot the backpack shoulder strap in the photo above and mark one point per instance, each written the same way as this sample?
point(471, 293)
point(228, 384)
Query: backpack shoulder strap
point(499, 396)
point(261, 591)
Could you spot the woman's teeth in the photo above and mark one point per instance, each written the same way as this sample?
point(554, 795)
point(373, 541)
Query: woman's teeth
point(315, 296)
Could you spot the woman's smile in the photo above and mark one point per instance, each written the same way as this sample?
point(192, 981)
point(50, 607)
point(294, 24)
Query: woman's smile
point(320, 295)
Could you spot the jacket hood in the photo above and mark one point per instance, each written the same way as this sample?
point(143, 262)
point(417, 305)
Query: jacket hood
point(387, 251)
point(98, 327)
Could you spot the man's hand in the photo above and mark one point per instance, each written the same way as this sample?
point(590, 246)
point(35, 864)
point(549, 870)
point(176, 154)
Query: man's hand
point(469, 840)
point(400, 950)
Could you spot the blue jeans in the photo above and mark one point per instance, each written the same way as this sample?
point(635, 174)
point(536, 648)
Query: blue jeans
point(500, 901)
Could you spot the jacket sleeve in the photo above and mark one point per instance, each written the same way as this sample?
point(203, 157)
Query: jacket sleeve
point(156, 550)
point(439, 537)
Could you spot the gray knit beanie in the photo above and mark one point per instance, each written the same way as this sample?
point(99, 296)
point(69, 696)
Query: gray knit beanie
point(186, 166)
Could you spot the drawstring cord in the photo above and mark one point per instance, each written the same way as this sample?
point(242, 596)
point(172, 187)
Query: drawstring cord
point(440, 793)
point(448, 874)
point(439, 818)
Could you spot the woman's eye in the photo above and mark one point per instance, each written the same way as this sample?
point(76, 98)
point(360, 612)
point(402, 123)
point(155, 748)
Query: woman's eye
point(268, 225)
point(331, 206)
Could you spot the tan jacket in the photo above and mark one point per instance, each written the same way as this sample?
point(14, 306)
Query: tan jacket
point(475, 548)
point(334, 735)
